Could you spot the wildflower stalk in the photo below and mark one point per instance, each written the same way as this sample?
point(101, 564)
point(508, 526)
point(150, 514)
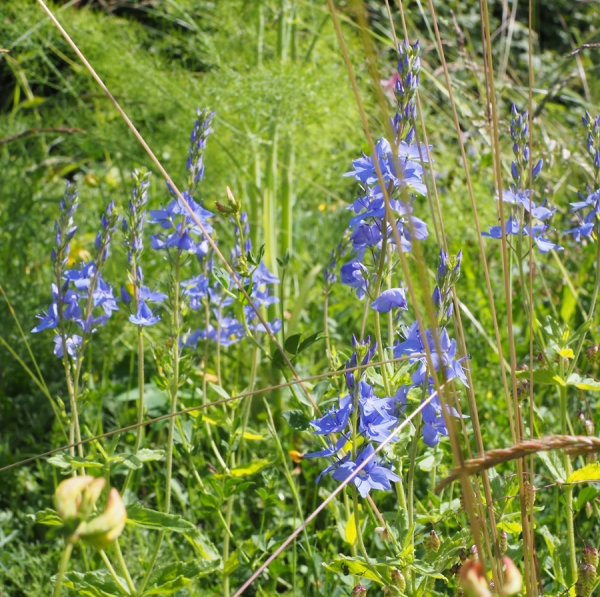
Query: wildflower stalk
point(171, 432)
point(64, 562)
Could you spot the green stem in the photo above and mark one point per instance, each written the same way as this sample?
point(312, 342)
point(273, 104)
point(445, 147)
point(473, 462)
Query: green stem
point(139, 432)
point(174, 389)
point(64, 562)
point(124, 569)
point(226, 546)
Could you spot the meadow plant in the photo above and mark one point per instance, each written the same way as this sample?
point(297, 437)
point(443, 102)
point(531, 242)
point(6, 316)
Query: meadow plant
point(391, 407)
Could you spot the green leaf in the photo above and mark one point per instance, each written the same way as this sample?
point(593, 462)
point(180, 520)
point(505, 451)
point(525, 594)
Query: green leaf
point(297, 420)
point(292, 343)
point(510, 527)
point(541, 376)
point(309, 341)
point(67, 462)
point(174, 577)
point(555, 465)
point(94, 584)
point(587, 494)
point(583, 383)
point(351, 566)
point(48, 517)
point(158, 521)
point(203, 546)
point(590, 472)
point(350, 530)
point(426, 570)
point(219, 390)
point(250, 469)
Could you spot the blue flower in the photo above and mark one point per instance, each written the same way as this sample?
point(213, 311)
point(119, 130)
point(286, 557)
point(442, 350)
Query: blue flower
point(394, 298)
point(103, 296)
point(152, 296)
point(144, 316)
point(73, 344)
point(355, 275)
point(375, 475)
point(335, 420)
point(48, 320)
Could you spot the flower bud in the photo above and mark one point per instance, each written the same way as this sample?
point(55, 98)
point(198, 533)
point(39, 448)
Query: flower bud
point(591, 458)
point(473, 580)
point(434, 541)
point(67, 497)
point(529, 491)
point(503, 542)
point(587, 575)
point(103, 530)
point(513, 581)
point(359, 591)
point(90, 496)
point(473, 555)
point(592, 354)
point(590, 555)
point(589, 509)
point(589, 426)
point(398, 580)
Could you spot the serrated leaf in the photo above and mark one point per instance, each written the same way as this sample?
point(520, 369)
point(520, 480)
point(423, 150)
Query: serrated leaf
point(203, 546)
point(590, 472)
point(555, 465)
point(158, 521)
point(174, 577)
point(297, 420)
point(48, 517)
point(94, 584)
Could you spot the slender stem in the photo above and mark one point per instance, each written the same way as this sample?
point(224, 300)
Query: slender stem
point(226, 546)
point(411, 477)
point(64, 562)
point(568, 470)
point(174, 389)
point(140, 432)
point(124, 568)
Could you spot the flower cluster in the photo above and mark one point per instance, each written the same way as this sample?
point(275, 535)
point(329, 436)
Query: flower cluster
point(80, 297)
point(206, 292)
point(395, 170)
point(133, 225)
point(363, 415)
point(588, 209)
point(519, 197)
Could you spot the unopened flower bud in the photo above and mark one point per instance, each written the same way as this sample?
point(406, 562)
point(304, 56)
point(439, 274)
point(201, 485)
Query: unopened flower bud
point(503, 542)
point(67, 497)
point(513, 581)
point(398, 580)
point(590, 555)
point(434, 541)
point(587, 575)
point(473, 555)
point(359, 591)
point(592, 354)
point(529, 491)
point(383, 533)
point(589, 509)
point(591, 458)
point(589, 426)
point(103, 530)
point(90, 496)
point(474, 581)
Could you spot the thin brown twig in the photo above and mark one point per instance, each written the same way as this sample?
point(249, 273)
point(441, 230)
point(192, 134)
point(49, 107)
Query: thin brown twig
point(51, 129)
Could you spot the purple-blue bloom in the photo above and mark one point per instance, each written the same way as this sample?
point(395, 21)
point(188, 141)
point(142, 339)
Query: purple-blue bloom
point(394, 298)
point(144, 316)
point(375, 475)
